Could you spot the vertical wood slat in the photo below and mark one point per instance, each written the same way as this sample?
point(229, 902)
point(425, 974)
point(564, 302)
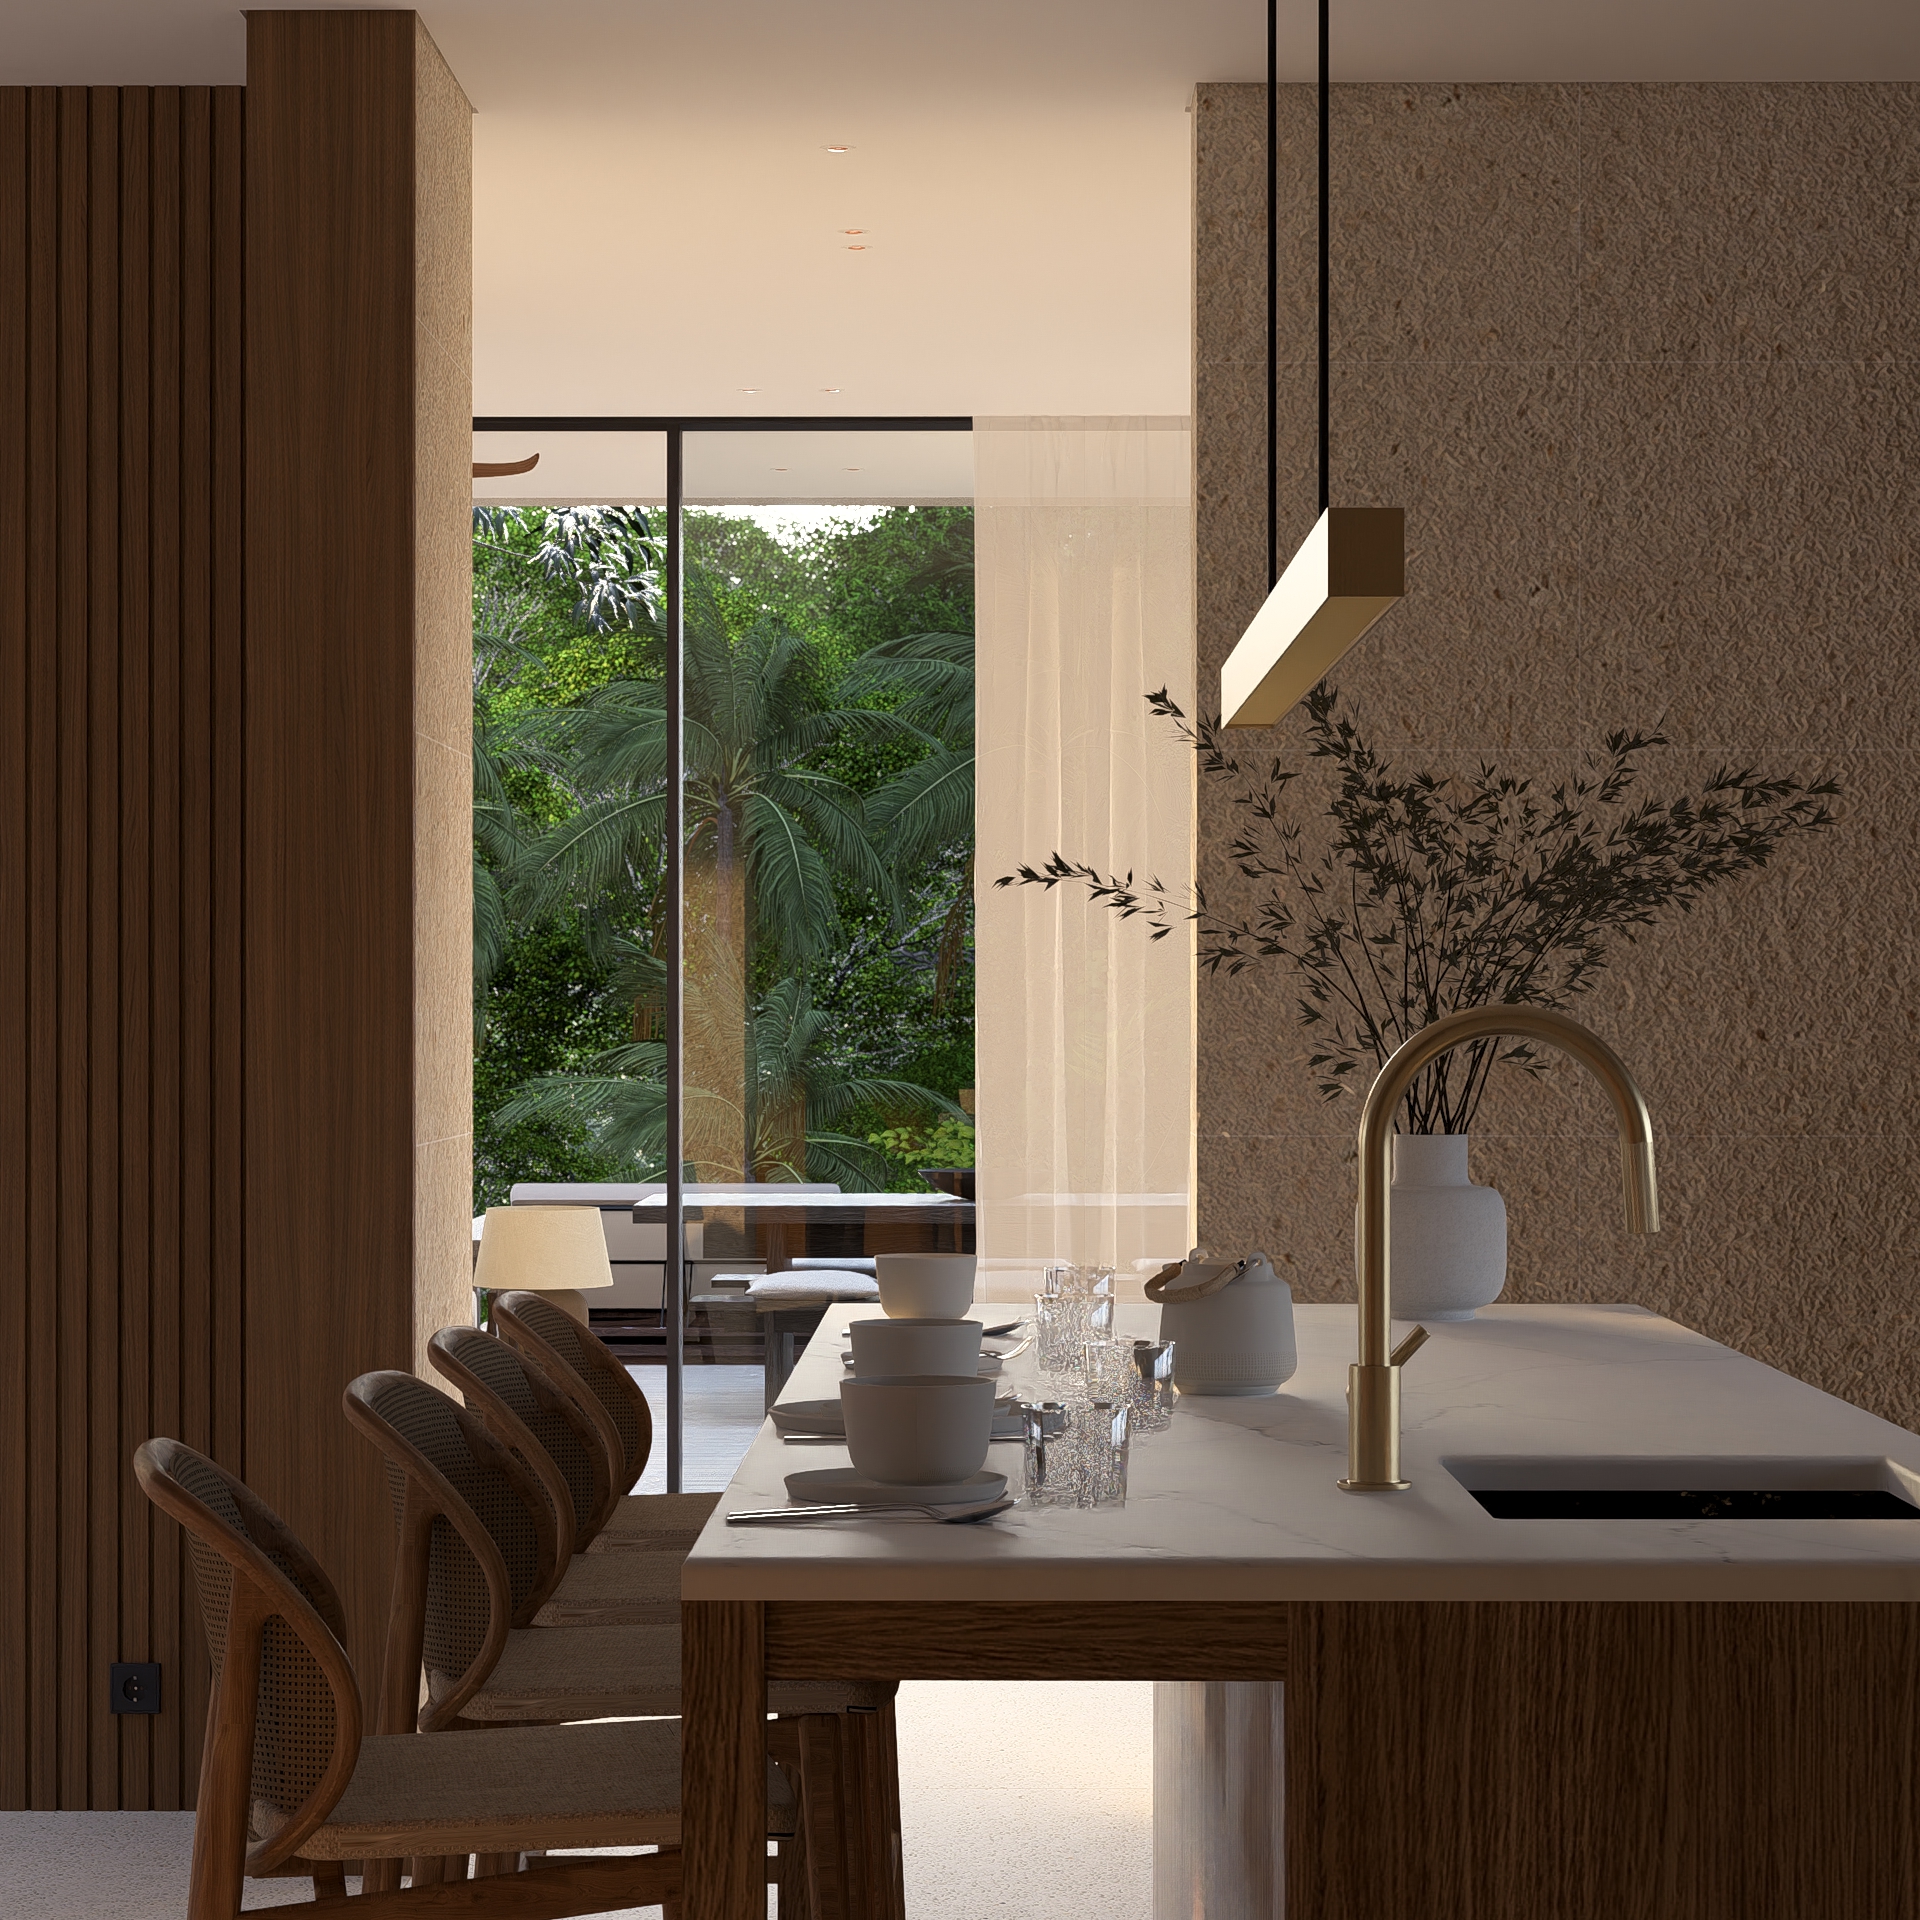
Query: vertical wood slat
point(120, 288)
point(101, 1195)
point(172, 1629)
point(14, 1058)
point(71, 940)
point(42, 1114)
point(134, 1515)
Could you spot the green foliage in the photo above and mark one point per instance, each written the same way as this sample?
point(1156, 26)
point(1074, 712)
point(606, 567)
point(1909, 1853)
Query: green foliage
point(1422, 894)
point(548, 1011)
point(841, 778)
point(948, 1143)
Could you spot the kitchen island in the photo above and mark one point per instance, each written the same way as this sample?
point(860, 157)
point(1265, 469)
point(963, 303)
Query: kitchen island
point(1483, 1716)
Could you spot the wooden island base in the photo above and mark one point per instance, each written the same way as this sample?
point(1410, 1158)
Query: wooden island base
point(1553, 1760)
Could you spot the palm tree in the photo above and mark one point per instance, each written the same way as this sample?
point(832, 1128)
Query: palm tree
point(768, 832)
point(797, 1094)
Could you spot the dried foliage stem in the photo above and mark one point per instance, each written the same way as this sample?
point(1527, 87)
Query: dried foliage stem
point(1421, 894)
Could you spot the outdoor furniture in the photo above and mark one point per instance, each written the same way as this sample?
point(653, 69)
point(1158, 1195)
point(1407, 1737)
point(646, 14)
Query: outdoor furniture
point(774, 1224)
point(790, 1306)
point(290, 1786)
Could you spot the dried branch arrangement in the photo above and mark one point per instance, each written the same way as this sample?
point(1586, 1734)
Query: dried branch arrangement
point(1422, 893)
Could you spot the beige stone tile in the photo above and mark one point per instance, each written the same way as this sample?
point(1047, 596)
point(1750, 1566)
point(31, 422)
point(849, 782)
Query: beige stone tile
point(1749, 535)
point(1750, 222)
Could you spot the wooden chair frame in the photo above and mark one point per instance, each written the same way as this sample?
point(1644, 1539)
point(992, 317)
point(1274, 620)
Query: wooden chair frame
point(429, 1496)
point(450, 1352)
point(595, 1377)
point(224, 1855)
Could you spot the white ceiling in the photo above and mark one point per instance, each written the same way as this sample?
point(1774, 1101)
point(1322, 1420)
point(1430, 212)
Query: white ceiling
point(658, 222)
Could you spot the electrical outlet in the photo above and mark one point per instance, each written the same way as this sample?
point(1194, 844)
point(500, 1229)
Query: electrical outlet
point(134, 1686)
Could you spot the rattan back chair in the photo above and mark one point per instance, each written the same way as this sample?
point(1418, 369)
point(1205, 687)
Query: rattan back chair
point(539, 1418)
point(477, 1549)
point(580, 1362)
point(290, 1787)
point(533, 1325)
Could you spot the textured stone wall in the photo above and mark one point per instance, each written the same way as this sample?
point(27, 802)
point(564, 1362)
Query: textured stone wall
point(1638, 363)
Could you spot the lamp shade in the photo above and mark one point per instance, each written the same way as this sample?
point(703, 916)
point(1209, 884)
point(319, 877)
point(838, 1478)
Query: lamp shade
point(543, 1250)
point(1350, 569)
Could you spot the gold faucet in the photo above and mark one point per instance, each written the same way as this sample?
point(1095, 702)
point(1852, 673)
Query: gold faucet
point(1373, 1386)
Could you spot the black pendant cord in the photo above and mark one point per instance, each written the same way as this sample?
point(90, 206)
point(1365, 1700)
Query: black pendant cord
point(1325, 308)
point(1273, 317)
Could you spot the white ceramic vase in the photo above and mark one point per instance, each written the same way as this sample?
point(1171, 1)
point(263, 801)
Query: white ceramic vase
point(1449, 1237)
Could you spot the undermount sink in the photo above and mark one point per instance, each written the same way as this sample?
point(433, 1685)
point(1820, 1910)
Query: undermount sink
point(1699, 1487)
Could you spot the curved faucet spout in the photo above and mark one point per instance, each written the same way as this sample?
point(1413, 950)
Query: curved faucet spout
point(1373, 1426)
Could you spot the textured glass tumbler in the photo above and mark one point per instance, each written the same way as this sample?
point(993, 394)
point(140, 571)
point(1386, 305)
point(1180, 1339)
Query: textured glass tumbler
point(1076, 1453)
point(1150, 1384)
point(1107, 1367)
point(1064, 1323)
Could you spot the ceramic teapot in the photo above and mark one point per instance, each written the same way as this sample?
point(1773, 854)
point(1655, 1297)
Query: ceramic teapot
point(1230, 1321)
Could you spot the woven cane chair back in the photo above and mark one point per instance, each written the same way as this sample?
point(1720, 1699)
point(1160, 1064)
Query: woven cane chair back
point(258, 1585)
point(539, 1419)
point(546, 1334)
point(494, 1550)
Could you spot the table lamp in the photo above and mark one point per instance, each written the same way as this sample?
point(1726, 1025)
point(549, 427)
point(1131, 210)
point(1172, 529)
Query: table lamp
point(558, 1251)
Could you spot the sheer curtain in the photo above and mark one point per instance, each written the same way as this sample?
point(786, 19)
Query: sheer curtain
point(1084, 1030)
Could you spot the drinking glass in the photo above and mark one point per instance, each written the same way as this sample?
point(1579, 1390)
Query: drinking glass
point(1107, 1366)
point(1063, 1323)
point(1150, 1385)
point(1076, 1453)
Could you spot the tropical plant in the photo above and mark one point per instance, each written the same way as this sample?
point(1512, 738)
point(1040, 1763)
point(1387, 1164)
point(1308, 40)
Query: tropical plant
point(798, 1092)
point(1423, 894)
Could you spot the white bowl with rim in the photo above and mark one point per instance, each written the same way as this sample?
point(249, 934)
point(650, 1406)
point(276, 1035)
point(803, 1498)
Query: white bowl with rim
point(890, 1348)
point(925, 1286)
point(918, 1429)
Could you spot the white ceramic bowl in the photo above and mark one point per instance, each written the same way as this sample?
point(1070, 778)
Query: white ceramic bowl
point(889, 1348)
point(918, 1430)
point(924, 1286)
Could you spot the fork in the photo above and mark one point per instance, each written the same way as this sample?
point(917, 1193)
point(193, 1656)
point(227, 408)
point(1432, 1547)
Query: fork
point(801, 1516)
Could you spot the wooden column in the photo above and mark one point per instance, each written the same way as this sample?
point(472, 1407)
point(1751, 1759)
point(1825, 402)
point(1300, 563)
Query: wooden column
point(358, 1052)
point(121, 896)
point(1511, 1761)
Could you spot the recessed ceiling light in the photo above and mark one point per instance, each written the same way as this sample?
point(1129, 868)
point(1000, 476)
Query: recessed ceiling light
point(779, 469)
point(853, 469)
point(749, 389)
point(853, 229)
point(857, 247)
point(830, 389)
point(839, 149)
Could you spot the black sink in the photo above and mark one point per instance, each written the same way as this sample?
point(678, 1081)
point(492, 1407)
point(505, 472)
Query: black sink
point(1662, 1503)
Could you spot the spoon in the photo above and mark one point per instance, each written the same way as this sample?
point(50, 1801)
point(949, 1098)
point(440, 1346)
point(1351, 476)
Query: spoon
point(800, 1516)
point(993, 1333)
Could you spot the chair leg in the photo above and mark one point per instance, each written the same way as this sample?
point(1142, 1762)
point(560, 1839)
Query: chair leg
point(822, 1816)
point(487, 1865)
point(874, 1812)
point(329, 1879)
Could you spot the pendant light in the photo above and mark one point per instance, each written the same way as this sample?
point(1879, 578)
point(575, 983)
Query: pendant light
point(1352, 567)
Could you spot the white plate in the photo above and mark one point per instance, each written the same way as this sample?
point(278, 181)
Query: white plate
point(842, 1486)
point(808, 1416)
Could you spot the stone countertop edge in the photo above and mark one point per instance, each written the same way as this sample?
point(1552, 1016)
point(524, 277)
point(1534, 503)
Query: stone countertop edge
point(1237, 1501)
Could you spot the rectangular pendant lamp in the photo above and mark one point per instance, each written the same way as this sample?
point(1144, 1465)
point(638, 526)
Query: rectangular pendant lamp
point(1350, 569)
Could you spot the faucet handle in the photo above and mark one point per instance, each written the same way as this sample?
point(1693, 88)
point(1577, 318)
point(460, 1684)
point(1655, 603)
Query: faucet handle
point(1408, 1348)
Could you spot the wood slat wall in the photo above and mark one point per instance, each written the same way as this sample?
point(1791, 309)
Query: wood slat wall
point(121, 889)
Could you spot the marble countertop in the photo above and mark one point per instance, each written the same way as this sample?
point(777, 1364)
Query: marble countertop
point(1237, 1501)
